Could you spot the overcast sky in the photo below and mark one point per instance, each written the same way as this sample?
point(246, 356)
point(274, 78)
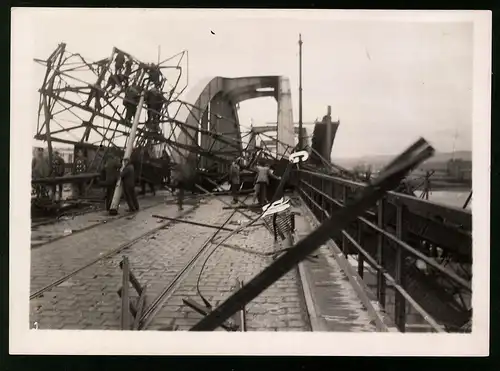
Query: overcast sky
point(388, 82)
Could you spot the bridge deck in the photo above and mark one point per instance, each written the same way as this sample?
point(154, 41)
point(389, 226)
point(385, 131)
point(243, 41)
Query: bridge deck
point(317, 296)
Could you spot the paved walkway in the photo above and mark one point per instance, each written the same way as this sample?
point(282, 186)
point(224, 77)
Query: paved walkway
point(73, 223)
point(89, 299)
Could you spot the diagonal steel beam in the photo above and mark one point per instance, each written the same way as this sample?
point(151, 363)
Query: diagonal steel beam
point(388, 179)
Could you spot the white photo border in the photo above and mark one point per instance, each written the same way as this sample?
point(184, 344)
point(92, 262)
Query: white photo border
point(26, 341)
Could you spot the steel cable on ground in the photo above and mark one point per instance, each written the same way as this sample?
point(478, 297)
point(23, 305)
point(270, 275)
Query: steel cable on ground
point(205, 301)
point(149, 313)
point(281, 185)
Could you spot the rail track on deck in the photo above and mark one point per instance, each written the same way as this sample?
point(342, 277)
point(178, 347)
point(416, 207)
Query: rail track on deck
point(203, 254)
point(97, 223)
point(108, 254)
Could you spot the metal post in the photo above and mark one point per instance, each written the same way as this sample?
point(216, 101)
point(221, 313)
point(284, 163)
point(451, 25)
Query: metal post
point(49, 142)
point(400, 302)
point(344, 200)
point(128, 151)
point(275, 227)
point(380, 255)
point(301, 139)
point(328, 136)
point(361, 268)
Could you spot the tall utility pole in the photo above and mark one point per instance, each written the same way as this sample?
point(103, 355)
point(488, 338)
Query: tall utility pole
point(301, 139)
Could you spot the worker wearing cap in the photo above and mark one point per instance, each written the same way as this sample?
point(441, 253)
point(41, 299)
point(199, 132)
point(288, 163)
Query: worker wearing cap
point(234, 179)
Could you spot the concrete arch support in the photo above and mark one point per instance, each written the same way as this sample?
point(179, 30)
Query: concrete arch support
point(219, 96)
point(285, 117)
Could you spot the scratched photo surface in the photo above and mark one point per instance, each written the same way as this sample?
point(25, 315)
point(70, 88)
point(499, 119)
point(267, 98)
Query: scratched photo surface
point(199, 171)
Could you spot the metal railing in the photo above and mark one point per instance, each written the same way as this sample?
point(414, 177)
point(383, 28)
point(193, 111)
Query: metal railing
point(323, 194)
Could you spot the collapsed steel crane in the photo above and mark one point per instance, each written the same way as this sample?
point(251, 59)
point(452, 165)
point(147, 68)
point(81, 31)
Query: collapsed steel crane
point(120, 105)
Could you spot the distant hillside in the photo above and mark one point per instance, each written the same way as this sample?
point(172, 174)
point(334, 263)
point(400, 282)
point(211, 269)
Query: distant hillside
point(438, 160)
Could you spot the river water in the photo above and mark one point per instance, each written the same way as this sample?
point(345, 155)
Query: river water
point(450, 198)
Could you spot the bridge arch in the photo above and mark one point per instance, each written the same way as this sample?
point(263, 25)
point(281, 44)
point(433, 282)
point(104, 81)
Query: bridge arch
point(212, 106)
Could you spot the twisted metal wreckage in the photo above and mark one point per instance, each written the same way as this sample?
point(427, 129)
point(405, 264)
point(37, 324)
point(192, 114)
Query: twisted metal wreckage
point(119, 93)
point(203, 132)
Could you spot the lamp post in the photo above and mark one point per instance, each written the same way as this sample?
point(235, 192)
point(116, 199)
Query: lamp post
point(301, 139)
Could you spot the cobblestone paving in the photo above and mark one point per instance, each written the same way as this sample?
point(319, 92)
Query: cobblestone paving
point(279, 308)
point(60, 257)
point(89, 300)
point(69, 224)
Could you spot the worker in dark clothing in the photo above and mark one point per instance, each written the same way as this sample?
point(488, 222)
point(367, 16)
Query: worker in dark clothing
point(119, 61)
point(128, 181)
point(262, 182)
point(154, 75)
point(58, 171)
point(166, 168)
point(234, 179)
point(146, 174)
point(183, 180)
point(112, 173)
point(117, 79)
point(154, 102)
point(95, 93)
point(132, 97)
point(80, 167)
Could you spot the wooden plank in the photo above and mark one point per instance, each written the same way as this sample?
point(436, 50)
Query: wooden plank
point(140, 309)
point(125, 317)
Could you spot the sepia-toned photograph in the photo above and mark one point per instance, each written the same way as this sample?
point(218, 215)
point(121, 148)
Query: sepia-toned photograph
point(249, 171)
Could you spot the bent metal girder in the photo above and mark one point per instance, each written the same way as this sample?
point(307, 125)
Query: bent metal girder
point(388, 179)
point(84, 103)
point(214, 105)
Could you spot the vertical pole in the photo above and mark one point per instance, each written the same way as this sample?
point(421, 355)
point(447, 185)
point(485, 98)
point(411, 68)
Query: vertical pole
point(128, 151)
point(301, 139)
point(275, 227)
point(361, 268)
point(243, 314)
point(48, 117)
point(380, 254)
point(400, 302)
point(344, 201)
point(328, 138)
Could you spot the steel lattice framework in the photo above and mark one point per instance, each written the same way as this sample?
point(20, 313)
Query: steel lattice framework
point(85, 103)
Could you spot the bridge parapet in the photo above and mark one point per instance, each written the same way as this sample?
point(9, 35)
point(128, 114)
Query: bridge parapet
point(414, 254)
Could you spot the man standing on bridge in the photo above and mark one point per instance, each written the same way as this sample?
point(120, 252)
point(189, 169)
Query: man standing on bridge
point(165, 158)
point(112, 172)
point(132, 97)
point(262, 182)
point(128, 181)
point(183, 180)
point(234, 179)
